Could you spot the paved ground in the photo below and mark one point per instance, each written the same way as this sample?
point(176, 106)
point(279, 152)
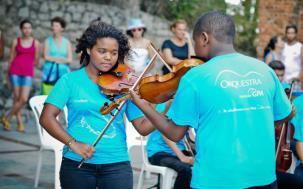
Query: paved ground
point(18, 159)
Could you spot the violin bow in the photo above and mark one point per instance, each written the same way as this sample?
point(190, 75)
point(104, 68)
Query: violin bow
point(160, 56)
point(284, 125)
point(151, 62)
point(187, 144)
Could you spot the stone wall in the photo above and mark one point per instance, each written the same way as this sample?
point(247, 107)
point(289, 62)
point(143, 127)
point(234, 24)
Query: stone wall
point(77, 14)
point(275, 15)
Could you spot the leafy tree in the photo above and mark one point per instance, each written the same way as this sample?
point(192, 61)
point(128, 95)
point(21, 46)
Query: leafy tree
point(245, 14)
point(188, 10)
point(246, 18)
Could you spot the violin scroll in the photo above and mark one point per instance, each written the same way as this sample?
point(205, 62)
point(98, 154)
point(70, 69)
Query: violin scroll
point(117, 81)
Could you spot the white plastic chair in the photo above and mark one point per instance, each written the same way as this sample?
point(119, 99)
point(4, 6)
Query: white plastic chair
point(132, 135)
point(293, 165)
point(47, 142)
point(167, 174)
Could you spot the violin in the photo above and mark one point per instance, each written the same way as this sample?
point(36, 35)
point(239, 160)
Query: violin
point(158, 89)
point(283, 136)
point(117, 81)
point(119, 103)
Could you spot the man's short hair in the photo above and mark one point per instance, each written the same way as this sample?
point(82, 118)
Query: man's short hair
point(291, 26)
point(220, 25)
point(276, 65)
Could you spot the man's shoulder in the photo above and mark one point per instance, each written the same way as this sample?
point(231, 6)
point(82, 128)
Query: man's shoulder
point(298, 45)
point(249, 58)
point(237, 60)
point(298, 100)
point(252, 62)
point(236, 63)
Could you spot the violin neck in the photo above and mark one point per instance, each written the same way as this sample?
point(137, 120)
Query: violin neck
point(122, 98)
point(106, 109)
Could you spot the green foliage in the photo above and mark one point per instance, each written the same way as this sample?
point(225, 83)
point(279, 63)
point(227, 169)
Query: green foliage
point(190, 10)
point(246, 17)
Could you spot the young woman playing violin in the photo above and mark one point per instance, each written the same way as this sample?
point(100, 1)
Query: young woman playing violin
point(107, 166)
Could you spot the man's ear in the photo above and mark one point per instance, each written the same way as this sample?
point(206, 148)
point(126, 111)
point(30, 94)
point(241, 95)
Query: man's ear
point(204, 38)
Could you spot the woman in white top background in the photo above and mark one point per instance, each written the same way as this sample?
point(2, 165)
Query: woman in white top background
point(140, 52)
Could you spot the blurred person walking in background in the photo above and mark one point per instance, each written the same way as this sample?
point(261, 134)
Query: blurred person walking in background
point(24, 55)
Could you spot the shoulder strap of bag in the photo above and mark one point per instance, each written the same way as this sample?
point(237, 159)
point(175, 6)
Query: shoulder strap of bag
point(49, 73)
point(57, 72)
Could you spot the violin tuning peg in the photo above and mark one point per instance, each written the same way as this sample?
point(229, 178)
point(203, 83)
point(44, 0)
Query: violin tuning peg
point(118, 74)
point(111, 98)
point(105, 104)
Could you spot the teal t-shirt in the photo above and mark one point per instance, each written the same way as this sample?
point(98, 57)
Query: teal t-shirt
point(297, 120)
point(84, 99)
point(156, 143)
point(58, 70)
point(232, 102)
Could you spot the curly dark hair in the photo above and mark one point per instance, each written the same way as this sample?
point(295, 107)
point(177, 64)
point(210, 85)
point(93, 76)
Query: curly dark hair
point(99, 30)
point(59, 20)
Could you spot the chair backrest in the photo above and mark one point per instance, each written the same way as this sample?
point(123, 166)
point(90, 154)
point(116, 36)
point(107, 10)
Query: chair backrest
point(132, 136)
point(133, 144)
point(36, 103)
point(143, 150)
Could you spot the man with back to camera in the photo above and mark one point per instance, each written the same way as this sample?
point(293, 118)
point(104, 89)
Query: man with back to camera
point(232, 101)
